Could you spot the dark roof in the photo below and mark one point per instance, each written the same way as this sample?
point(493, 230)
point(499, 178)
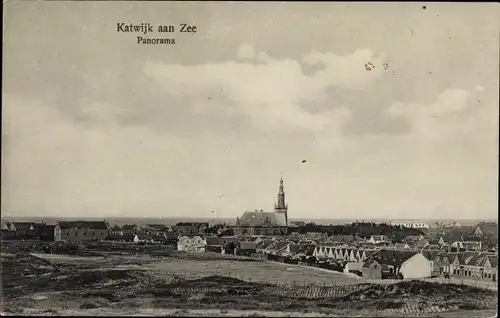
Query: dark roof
point(392, 257)
point(94, 225)
point(24, 225)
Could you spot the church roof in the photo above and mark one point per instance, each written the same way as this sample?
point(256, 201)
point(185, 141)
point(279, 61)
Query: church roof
point(258, 218)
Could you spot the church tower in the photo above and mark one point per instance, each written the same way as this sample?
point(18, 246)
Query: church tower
point(281, 206)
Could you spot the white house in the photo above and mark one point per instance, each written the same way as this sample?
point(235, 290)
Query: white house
point(417, 266)
point(194, 244)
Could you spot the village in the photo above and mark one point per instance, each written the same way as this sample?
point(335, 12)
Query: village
point(368, 250)
point(358, 268)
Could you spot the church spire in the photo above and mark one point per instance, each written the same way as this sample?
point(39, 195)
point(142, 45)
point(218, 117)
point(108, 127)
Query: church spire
point(281, 206)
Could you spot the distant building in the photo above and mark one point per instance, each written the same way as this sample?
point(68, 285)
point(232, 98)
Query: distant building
point(259, 222)
point(80, 231)
point(411, 224)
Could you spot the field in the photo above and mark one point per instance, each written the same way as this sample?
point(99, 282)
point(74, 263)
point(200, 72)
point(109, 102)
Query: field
point(208, 284)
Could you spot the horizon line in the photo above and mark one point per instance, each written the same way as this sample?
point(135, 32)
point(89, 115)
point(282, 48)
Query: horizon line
point(223, 217)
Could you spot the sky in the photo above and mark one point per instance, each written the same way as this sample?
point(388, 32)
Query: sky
point(367, 110)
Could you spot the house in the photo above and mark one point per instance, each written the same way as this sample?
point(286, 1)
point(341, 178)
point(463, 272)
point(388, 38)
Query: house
point(377, 239)
point(371, 269)
point(475, 265)
point(403, 264)
point(24, 230)
point(194, 244)
point(79, 231)
point(214, 244)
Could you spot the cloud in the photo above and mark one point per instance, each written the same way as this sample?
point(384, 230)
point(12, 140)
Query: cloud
point(479, 88)
point(449, 102)
point(270, 91)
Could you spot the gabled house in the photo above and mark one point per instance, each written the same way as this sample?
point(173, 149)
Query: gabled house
point(400, 264)
point(194, 244)
point(24, 230)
